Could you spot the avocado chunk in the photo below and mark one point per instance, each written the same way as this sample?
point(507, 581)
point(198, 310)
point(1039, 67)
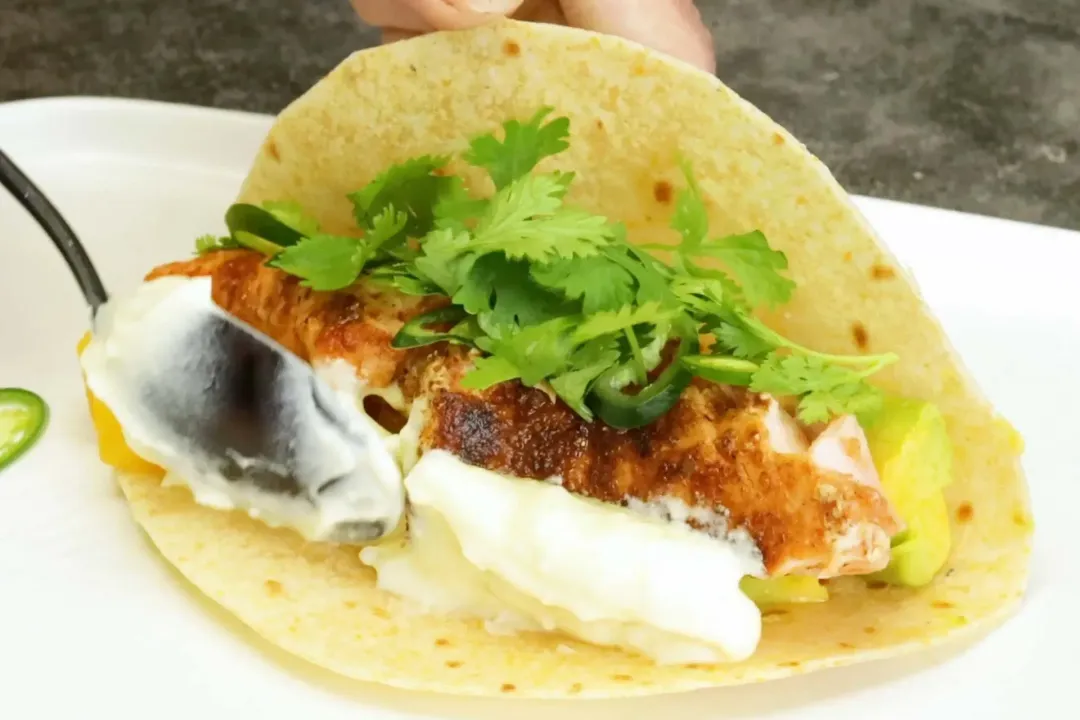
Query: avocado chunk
point(783, 590)
point(911, 449)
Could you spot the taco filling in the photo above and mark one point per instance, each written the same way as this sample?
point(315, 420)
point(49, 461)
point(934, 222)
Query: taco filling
point(595, 437)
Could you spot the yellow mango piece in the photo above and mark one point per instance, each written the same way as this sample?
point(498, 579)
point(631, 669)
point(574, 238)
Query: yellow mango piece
point(112, 447)
point(783, 590)
point(910, 445)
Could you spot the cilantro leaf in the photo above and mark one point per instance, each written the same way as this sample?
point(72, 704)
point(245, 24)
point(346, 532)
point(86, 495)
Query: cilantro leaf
point(209, 243)
point(650, 274)
point(597, 281)
point(438, 262)
point(742, 342)
point(526, 220)
point(702, 296)
point(749, 257)
point(404, 278)
point(824, 389)
point(502, 289)
point(292, 214)
point(690, 219)
point(523, 146)
point(455, 207)
point(412, 187)
point(755, 264)
point(385, 228)
point(488, 371)
point(589, 362)
point(325, 262)
point(538, 351)
point(607, 323)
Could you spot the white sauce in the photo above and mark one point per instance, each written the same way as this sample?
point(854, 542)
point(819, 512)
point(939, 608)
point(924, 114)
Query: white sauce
point(528, 555)
point(152, 340)
point(714, 522)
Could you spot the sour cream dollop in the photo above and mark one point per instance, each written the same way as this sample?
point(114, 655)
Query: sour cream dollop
point(528, 555)
point(160, 361)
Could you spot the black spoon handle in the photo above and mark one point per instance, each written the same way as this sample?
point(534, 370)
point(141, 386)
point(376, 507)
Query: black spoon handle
point(54, 225)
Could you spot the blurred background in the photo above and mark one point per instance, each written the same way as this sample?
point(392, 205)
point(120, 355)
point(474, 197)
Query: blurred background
point(965, 104)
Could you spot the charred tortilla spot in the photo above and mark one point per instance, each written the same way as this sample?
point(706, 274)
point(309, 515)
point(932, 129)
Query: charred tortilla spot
point(272, 150)
point(442, 642)
point(942, 605)
point(511, 48)
point(848, 256)
point(663, 192)
point(273, 588)
point(777, 139)
point(877, 585)
point(599, 124)
point(453, 664)
point(964, 513)
point(882, 272)
point(508, 687)
point(860, 335)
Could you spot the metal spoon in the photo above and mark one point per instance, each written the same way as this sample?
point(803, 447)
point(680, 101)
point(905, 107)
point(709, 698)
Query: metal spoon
point(234, 406)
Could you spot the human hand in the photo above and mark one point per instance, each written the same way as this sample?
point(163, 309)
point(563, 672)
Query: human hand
point(670, 26)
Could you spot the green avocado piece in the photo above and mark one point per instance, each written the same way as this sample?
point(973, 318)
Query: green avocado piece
point(911, 449)
point(783, 590)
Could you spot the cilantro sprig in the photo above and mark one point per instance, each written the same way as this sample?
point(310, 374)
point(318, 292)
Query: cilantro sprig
point(550, 294)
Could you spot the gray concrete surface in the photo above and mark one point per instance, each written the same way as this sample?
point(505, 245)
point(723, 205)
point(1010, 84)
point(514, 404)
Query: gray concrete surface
point(967, 104)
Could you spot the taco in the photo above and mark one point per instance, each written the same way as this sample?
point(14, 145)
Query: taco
point(667, 413)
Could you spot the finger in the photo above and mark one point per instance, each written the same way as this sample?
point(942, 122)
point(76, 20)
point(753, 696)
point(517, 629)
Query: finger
point(419, 16)
point(391, 35)
point(541, 11)
point(674, 27)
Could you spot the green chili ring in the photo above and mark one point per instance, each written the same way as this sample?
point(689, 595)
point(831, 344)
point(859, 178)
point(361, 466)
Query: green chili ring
point(23, 418)
point(621, 410)
point(253, 220)
point(415, 333)
point(720, 369)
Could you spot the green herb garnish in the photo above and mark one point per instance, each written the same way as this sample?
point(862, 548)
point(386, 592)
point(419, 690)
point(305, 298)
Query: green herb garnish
point(552, 294)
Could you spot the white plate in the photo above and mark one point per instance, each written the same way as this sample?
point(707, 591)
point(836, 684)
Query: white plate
point(90, 619)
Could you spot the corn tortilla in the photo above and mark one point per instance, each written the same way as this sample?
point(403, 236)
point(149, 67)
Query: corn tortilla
point(633, 114)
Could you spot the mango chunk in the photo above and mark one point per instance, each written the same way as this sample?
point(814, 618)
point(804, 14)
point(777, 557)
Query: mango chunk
point(112, 447)
point(910, 445)
point(784, 590)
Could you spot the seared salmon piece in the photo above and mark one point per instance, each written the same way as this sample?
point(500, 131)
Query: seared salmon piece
point(722, 460)
point(354, 325)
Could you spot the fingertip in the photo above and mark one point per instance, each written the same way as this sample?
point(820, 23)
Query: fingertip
point(462, 14)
